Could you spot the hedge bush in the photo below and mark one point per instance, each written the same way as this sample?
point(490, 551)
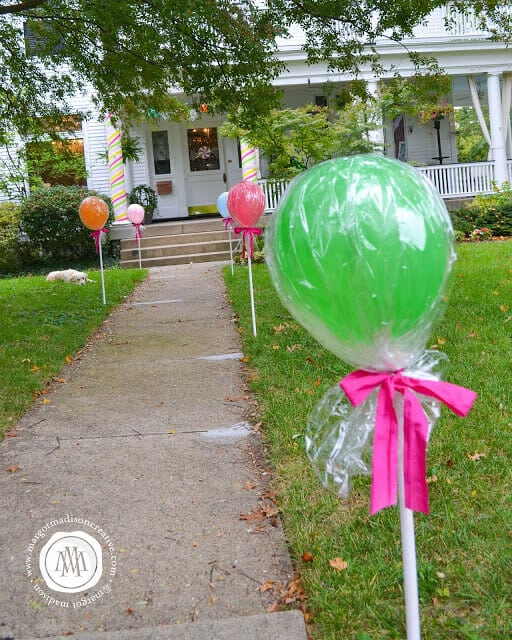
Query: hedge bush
point(9, 256)
point(493, 211)
point(51, 228)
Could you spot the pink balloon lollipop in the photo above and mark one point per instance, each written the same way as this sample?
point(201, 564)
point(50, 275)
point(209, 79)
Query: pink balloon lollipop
point(135, 213)
point(246, 203)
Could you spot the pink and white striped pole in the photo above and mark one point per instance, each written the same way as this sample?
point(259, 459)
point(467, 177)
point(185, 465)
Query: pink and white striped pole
point(116, 170)
point(249, 161)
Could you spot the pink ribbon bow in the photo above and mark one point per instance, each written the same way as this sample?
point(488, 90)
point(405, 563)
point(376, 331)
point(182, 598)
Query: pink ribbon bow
point(357, 387)
point(96, 234)
point(138, 233)
point(248, 232)
point(228, 223)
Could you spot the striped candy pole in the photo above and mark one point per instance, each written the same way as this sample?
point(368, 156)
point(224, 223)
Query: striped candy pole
point(116, 169)
point(249, 164)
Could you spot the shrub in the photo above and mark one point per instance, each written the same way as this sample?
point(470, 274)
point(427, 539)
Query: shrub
point(51, 228)
point(9, 256)
point(493, 211)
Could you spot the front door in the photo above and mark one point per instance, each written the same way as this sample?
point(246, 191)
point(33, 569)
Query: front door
point(164, 144)
point(205, 170)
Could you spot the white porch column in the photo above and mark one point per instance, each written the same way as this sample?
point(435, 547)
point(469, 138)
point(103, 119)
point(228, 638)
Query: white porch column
point(497, 131)
point(376, 136)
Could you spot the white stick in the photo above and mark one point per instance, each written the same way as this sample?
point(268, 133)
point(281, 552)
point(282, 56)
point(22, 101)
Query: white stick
point(412, 608)
point(248, 248)
point(231, 251)
point(138, 245)
point(101, 272)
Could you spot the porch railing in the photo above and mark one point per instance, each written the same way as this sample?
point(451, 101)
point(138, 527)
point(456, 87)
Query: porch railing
point(451, 180)
point(460, 180)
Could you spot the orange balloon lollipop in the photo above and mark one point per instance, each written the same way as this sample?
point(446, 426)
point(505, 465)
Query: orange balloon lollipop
point(93, 212)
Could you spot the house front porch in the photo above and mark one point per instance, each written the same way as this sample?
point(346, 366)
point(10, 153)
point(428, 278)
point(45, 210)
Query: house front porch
point(456, 181)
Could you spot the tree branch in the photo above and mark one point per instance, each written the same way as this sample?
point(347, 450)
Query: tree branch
point(21, 7)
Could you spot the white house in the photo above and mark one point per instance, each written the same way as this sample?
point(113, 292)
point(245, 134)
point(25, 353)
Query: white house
point(190, 164)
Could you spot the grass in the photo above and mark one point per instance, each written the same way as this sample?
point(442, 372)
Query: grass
point(42, 326)
point(464, 546)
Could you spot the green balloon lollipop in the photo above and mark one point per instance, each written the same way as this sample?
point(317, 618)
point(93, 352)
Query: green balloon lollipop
point(360, 249)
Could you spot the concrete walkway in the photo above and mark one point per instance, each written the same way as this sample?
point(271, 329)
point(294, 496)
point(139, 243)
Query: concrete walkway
point(145, 447)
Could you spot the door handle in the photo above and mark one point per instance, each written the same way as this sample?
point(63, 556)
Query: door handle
point(224, 178)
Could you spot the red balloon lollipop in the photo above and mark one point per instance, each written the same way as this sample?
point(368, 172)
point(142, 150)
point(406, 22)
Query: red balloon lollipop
point(246, 203)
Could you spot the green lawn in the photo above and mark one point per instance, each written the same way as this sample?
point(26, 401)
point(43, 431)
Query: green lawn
point(43, 323)
point(464, 547)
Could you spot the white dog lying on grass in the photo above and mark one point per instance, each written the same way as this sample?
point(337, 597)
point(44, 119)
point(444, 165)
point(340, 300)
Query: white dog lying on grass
point(69, 275)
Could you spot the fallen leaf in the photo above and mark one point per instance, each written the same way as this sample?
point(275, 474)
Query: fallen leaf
point(431, 479)
point(69, 359)
point(46, 401)
point(259, 529)
point(230, 399)
point(59, 380)
point(476, 456)
point(317, 382)
point(441, 341)
point(269, 512)
point(280, 328)
point(276, 347)
point(308, 615)
point(171, 431)
point(293, 591)
point(212, 599)
point(13, 468)
point(129, 611)
point(249, 485)
point(504, 307)
point(266, 586)
point(35, 368)
point(307, 557)
point(245, 359)
point(292, 347)
point(339, 564)
point(252, 516)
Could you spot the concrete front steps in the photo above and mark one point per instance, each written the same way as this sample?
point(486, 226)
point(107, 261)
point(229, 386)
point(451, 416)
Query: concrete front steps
point(179, 242)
